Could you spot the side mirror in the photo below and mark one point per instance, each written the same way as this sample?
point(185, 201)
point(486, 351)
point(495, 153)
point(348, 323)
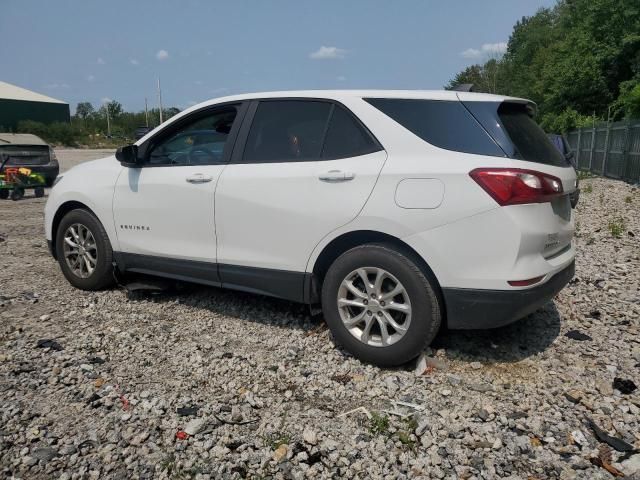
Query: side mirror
point(128, 156)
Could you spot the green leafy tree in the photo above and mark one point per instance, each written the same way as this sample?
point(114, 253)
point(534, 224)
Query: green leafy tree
point(84, 110)
point(115, 109)
point(577, 60)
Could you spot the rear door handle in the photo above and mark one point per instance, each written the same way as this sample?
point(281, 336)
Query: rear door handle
point(336, 176)
point(199, 178)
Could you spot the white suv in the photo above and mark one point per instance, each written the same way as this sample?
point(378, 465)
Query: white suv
point(397, 211)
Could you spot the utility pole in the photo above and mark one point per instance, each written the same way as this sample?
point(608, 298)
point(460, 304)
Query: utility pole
point(108, 121)
point(146, 112)
point(160, 99)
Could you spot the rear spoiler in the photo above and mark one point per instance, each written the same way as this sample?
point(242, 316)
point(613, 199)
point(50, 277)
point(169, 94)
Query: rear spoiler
point(463, 87)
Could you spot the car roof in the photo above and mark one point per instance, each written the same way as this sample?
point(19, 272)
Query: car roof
point(339, 95)
point(345, 94)
point(408, 94)
point(20, 139)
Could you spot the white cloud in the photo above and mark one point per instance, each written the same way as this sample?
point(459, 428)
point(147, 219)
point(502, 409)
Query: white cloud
point(341, 78)
point(328, 53)
point(100, 61)
point(90, 78)
point(105, 100)
point(133, 61)
point(162, 55)
point(486, 50)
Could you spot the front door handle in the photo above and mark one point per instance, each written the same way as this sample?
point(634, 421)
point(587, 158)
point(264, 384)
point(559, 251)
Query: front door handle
point(199, 178)
point(336, 176)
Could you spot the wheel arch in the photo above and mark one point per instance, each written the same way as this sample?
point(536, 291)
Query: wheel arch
point(349, 240)
point(62, 210)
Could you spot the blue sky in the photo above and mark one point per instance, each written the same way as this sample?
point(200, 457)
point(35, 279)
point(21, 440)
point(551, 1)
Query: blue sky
point(90, 50)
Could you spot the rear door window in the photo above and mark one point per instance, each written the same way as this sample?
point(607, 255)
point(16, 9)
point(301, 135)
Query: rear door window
point(287, 131)
point(445, 124)
point(346, 137)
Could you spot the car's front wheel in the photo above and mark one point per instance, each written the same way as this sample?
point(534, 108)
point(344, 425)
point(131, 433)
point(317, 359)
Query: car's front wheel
point(379, 305)
point(84, 251)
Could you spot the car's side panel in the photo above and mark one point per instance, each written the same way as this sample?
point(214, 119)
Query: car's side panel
point(467, 240)
point(91, 184)
point(157, 211)
point(271, 215)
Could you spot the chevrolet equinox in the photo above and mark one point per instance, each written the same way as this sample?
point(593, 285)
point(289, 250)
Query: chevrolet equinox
point(396, 212)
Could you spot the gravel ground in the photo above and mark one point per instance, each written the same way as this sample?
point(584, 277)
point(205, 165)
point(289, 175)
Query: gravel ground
point(266, 391)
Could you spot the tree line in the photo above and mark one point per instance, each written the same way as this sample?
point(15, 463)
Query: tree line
point(89, 126)
point(579, 61)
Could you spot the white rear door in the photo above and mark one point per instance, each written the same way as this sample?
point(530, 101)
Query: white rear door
point(307, 168)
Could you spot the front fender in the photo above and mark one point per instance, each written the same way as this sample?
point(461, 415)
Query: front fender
point(91, 185)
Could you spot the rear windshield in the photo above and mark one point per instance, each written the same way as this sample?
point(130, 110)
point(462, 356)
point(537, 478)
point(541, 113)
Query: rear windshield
point(484, 128)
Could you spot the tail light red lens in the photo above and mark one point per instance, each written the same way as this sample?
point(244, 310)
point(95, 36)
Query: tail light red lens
point(514, 186)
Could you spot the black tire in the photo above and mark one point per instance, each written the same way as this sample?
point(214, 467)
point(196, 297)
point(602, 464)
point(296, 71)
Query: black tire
point(4, 194)
point(39, 192)
point(102, 275)
point(17, 193)
point(425, 309)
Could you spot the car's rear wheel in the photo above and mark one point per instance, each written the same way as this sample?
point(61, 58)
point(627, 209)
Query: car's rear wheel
point(379, 305)
point(4, 194)
point(39, 192)
point(84, 251)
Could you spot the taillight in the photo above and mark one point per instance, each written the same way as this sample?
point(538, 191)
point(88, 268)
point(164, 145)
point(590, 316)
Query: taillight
point(514, 186)
point(52, 154)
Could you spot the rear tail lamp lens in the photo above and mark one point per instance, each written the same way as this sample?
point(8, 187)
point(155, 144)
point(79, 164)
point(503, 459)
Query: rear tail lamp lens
point(512, 186)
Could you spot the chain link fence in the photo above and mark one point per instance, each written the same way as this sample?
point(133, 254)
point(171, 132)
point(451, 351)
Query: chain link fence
point(611, 150)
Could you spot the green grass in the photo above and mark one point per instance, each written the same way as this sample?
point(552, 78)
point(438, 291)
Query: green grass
point(379, 424)
point(274, 440)
point(588, 188)
point(628, 199)
point(617, 227)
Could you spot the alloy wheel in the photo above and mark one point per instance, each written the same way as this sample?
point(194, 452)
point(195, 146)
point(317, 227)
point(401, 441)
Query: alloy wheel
point(374, 306)
point(80, 250)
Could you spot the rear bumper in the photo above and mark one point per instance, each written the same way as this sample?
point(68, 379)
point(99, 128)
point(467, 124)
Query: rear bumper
point(475, 308)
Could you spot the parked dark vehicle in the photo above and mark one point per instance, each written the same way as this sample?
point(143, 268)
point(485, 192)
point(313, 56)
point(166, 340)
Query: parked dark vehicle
point(141, 132)
point(30, 151)
point(563, 147)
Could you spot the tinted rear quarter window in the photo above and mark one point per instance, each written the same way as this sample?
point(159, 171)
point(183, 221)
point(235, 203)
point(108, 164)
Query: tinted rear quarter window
point(514, 129)
point(287, 130)
point(530, 141)
point(346, 137)
point(445, 124)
